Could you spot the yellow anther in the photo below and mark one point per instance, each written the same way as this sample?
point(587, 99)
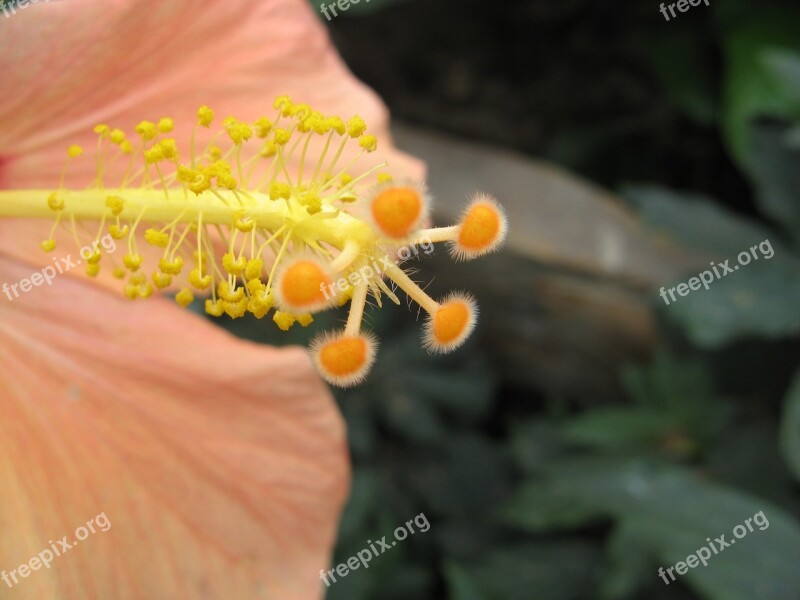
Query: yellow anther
point(312, 202)
point(131, 291)
point(48, 245)
point(256, 286)
point(145, 290)
point(305, 319)
point(116, 204)
point(368, 142)
point(235, 309)
point(169, 148)
point(119, 272)
point(94, 258)
point(239, 132)
point(243, 223)
point(282, 136)
point(204, 116)
point(118, 232)
point(301, 110)
point(155, 237)
point(254, 268)
point(337, 125)
point(92, 270)
point(219, 167)
point(171, 267)
point(356, 127)
point(200, 183)
point(262, 126)
point(154, 154)
point(319, 124)
point(284, 105)
point(161, 280)
point(213, 308)
point(186, 174)
point(74, 151)
point(283, 320)
point(166, 125)
point(384, 178)
point(304, 126)
point(224, 290)
point(146, 129)
point(200, 283)
point(54, 202)
point(117, 136)
point(102, 130)
point(126, 147)
point(280, 190)
point(345, 179)
point(215, 152)
point(132, 261)
point(232, 265)
point(258, 307)
point(185, 297)
point(227, 181)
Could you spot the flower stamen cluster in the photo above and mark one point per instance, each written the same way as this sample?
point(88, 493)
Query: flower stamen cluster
point(234, 224)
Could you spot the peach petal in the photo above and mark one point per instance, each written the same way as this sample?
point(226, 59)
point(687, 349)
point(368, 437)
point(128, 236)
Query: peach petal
point(144, 64)
point(221, 465)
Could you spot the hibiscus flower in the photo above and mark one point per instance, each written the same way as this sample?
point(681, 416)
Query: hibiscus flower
point(221, 466)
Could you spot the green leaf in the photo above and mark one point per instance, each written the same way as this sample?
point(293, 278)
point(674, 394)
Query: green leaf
point(460, 584)
point(612, 428)
point(683, 390)
point(774, 168)
point(785, 69)
point(673, 511)
point(749, 458)
point(750, 88)
point(535, 443)
point(547, 507)
point(697, 221)
point(792, 137)
point(630, 565)
point(553, 570)
point(759, 299)
point(790, 427)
